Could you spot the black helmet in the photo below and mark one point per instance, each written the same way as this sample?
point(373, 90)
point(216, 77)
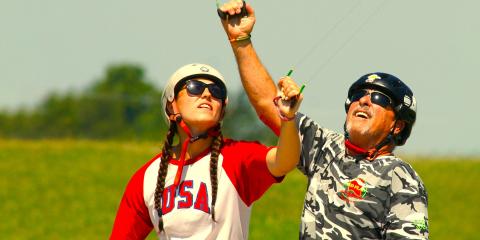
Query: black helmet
point(405, 105)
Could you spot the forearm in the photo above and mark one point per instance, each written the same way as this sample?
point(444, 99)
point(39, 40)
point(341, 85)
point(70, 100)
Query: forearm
point(257, 82)
point(288, 149)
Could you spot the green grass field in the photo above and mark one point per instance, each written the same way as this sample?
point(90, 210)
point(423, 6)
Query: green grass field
point(71, 190)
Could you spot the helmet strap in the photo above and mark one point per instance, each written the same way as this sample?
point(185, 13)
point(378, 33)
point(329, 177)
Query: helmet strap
point(370, 154)
point(212, 132)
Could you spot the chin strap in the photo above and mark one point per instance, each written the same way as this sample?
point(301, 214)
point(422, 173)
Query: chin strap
point(213, 132)
point(369, 154)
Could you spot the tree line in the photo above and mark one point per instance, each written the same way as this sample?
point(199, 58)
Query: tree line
point(121, 105)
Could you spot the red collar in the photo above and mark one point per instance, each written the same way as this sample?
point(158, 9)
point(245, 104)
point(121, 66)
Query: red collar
point(354, 148)
point(368, 154)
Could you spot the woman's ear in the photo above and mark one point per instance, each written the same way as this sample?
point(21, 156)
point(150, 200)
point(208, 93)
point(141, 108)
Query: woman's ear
point(172, 110)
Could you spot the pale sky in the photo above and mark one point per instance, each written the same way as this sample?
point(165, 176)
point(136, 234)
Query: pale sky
point(433, 46)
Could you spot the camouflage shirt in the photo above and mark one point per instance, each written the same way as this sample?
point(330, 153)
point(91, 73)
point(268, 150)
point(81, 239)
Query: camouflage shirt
point(353, 198)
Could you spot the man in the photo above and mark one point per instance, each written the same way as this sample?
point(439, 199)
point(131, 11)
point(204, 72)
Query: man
point(357, 188)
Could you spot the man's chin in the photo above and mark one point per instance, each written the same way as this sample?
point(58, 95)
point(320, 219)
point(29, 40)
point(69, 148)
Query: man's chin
point(356, 130)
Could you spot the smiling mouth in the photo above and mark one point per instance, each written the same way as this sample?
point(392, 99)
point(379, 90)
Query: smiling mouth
point(205, 106)
point(361, 115)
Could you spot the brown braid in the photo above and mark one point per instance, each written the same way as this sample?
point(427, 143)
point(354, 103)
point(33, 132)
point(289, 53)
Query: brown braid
point(162, 171)
point(216, 145)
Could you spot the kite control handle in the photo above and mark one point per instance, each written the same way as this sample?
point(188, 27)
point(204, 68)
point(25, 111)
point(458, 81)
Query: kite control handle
point(243, 13)
point(294, 100)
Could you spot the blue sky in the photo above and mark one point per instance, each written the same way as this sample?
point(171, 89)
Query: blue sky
point(55, 45)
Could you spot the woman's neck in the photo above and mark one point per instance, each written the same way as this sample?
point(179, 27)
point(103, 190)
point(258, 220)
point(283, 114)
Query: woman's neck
point(193, 148)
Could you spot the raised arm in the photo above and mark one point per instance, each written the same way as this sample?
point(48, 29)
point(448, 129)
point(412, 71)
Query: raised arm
point(257, 82)
point(285, 157)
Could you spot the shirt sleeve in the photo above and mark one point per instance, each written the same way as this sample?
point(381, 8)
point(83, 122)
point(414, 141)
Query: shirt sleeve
point(132, 220)
point(246, 166)
point(312, 138)
point(407, 217)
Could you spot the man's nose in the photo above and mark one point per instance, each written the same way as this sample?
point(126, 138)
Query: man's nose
point(365, 100)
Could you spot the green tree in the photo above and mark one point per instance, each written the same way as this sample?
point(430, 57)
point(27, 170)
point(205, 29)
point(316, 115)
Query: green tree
point(57, 116)
point(122, 104)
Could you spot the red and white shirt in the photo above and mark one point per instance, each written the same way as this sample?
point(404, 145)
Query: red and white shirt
point(242, 179)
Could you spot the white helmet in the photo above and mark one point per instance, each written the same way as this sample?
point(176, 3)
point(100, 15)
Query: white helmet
point(189, 71)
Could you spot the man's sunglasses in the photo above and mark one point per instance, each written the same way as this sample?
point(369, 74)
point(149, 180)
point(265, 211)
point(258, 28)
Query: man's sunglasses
point(196, 87)
point(375, 97)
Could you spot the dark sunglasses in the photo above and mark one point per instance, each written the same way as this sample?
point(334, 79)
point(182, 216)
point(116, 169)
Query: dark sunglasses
point(196, 87)
point(376, 97)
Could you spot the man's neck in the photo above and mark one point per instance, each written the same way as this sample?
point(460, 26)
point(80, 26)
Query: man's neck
point(370, 153)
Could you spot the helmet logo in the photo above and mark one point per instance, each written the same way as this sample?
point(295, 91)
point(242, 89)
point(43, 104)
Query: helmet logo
point(407, 101)
point(372, 78)
point(204, 69)
point(414, 104)
point(410, 102)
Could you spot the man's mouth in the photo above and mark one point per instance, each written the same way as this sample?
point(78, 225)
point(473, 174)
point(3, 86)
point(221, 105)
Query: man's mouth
point(362, 114)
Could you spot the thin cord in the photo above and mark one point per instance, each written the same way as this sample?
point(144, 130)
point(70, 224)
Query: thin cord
point(327, 34)
point(325, 63)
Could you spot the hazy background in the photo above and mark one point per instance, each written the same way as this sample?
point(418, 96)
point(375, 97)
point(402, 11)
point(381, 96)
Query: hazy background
point(432, 45)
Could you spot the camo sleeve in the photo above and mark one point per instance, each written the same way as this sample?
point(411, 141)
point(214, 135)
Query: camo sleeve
point(312, 137)
point(407, 217)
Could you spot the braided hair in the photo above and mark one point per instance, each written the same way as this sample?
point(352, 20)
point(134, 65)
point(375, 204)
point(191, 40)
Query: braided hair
point(163, 169)
point(216, 146)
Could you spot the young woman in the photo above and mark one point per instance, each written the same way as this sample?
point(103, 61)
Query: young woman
point(204, 187)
